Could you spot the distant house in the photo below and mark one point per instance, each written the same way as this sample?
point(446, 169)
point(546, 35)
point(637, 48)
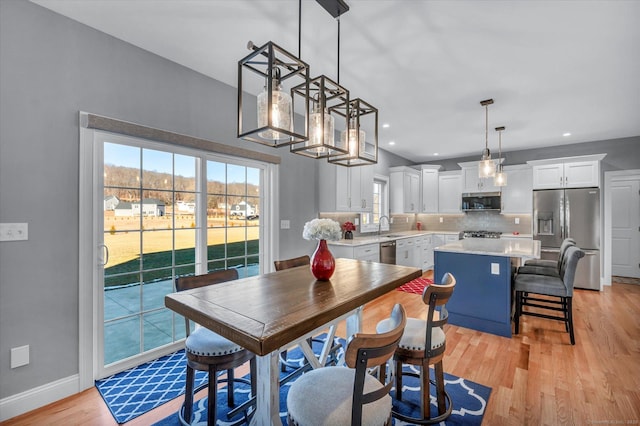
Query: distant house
point(243, 210)
point(149, 207)
point(186, 206)
point(110, 202)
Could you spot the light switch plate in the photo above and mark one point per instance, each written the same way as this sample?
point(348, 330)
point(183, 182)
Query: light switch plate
point(285, 224)
point(14, 231)
point(441, 220)
point(495, 269)
point(517, 221)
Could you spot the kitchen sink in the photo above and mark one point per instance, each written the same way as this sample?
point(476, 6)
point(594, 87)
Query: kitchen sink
point(391, 236)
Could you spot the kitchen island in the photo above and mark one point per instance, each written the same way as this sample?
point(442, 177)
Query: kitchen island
point(482, 268)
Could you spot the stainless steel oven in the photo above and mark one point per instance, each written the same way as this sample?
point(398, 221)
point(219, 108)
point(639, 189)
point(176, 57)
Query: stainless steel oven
point(388, 252)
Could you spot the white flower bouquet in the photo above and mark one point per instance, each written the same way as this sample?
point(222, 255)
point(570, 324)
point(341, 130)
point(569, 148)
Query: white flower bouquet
point(322, 229)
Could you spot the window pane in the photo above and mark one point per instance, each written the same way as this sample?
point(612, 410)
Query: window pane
point(157, 169)
point(185, 173)
point(121, 339)
point(157, 328)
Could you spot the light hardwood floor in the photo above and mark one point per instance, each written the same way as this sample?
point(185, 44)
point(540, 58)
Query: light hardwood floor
point(537, 377)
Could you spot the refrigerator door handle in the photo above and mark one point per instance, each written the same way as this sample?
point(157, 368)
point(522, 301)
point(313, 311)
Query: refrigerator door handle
point(561, 214)
point(567, 212)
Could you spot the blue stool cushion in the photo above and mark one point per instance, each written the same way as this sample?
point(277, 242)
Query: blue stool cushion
point(207, 343)
point(323, 397)
point(414, 334)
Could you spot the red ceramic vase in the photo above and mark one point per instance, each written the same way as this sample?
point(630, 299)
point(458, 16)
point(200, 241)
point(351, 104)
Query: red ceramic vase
point(322, 262)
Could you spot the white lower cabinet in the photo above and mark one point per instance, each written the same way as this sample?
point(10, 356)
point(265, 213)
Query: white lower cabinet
point(405, 253)
point(366, 252)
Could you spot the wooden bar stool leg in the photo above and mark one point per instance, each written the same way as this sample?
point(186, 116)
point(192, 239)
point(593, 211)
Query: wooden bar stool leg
point(188, 395)
point(398, 380)
point(212, 402)
point(230, 378)
point(440, 394)
point(425, 397)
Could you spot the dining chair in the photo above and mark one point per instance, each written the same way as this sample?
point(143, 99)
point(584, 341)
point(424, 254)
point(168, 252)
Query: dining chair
point(350, 395)
point(208, 351)
point(281, 265)
point(423, 344)
point(558, 292)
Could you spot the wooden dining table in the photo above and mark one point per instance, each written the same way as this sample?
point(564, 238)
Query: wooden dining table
point(267, 313)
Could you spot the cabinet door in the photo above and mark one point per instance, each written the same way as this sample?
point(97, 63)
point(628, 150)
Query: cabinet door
point(548, 176)
point(517, 196)
point(582, 174)
point(404, 253)
point(366, 188)
point(411, 192)
point(470, 180)
point(429, 191)
point(343, 189)
point(449, 193)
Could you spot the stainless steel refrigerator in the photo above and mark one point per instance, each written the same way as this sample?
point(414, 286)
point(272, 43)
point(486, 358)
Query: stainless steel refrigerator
point(575, 213)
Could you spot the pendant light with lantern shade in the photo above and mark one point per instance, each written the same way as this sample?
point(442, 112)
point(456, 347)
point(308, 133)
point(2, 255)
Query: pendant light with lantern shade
point(500, 178)
point(486, 167)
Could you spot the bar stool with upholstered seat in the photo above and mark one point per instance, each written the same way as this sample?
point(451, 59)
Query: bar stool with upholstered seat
point(557, 292)
point(208, 351)
point(423, 344)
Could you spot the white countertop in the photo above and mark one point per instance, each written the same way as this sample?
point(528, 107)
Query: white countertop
point(522, 248)
point(390, 236)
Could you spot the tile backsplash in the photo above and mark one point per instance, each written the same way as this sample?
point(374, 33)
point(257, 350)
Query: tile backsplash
point(475, 221)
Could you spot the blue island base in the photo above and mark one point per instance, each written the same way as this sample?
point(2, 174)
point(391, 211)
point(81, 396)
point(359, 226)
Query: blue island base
point(482, 296)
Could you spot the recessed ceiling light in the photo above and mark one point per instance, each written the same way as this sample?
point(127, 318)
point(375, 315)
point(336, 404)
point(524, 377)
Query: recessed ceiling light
point(385, 125)
point(435, 154)
point(566, 134)
point(392, 143)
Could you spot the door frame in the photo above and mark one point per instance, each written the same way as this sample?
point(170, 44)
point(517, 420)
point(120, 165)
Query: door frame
point(609, 178)
point(90, 253)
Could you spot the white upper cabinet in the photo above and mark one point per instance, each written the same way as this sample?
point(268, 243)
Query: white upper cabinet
point(429, 189)
point(404, 191)
point(346, 188)
point(517, 196)
point(471, 182)
point(568, 172)
point(450, 192)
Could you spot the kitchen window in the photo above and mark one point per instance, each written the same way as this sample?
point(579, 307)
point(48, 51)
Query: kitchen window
point(380, 189)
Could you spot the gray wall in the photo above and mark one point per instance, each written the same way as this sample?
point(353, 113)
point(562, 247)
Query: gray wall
point(622, 154)
point(50, 68)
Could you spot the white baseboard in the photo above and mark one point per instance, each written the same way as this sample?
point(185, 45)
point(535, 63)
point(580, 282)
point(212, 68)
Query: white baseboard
point(38, 397)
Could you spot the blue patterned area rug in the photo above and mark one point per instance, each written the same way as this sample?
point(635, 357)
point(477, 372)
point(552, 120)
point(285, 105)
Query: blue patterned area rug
point(133, 392)
point(469, 401)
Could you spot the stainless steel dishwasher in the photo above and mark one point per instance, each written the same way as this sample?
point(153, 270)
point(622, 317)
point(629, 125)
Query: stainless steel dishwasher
point(388, 252)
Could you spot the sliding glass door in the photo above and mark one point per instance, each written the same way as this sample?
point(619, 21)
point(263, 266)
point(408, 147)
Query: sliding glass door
point(167, 212)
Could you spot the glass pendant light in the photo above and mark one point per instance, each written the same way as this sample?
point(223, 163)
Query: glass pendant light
point(280, 115)
point(325, 96)
point(360, 152)
point(279, 71)
point(486, 167)
point(500, 178)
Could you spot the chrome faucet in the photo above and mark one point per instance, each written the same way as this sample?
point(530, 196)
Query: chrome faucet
point(380, 222)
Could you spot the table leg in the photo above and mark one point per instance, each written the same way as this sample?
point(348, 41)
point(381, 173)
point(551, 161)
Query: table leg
point(354, 322)
point(268, 392)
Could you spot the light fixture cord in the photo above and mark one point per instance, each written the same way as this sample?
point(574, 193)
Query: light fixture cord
point(338, 18)
point(486, 127)
point(299, 28)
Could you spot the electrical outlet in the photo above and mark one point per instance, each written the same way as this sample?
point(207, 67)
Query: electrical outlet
point(441, 220)
point(14, 231)
point(495, 269)
point(19, 356)
point(517, 221)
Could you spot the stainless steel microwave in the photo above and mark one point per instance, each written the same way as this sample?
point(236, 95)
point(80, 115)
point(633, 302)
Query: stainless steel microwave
point(474, 201)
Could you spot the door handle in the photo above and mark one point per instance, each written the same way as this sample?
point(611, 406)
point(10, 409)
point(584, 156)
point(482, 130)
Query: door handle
point(105, 257)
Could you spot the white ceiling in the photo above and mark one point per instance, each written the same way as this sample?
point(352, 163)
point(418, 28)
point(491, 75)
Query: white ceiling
point(551, 66)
